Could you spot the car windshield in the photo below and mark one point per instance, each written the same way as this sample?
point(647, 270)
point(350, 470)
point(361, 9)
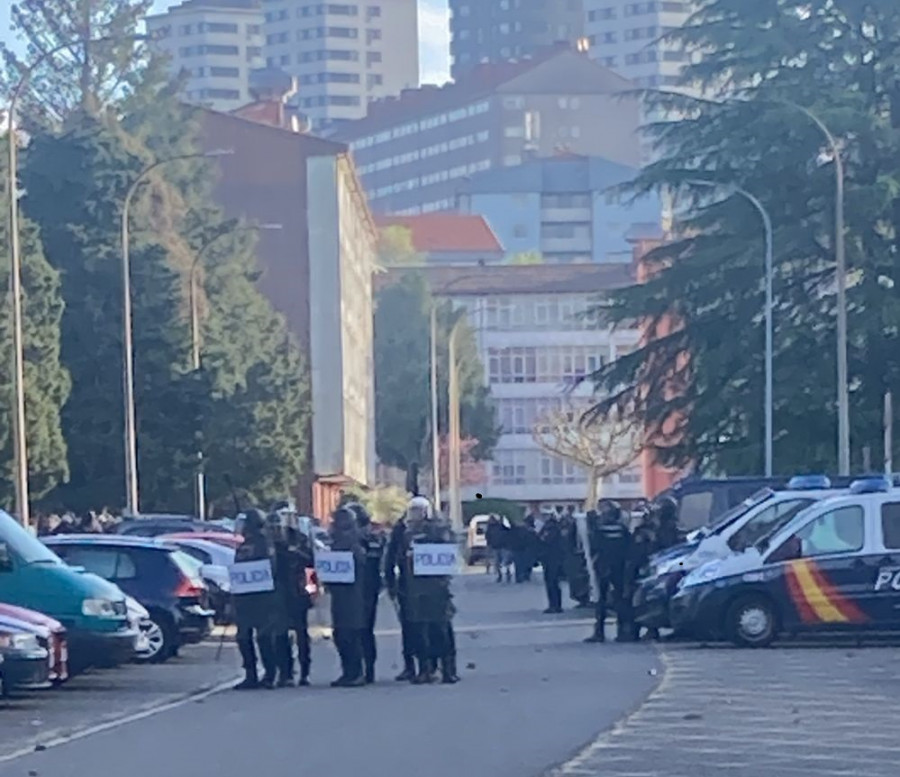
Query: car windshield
point(737, 511)
point(762, 544)
point(27, 548)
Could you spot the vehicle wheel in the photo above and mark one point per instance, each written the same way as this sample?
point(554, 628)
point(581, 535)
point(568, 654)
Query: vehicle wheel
point(752, 622)
point(160, 634)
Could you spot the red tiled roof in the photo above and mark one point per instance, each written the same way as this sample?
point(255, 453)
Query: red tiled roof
point(447, 232)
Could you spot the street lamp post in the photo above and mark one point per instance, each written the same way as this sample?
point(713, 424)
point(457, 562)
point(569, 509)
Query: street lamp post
point(768, 400)
point(131, 475)
point(843, 389)
point(435, 438)
point(453, 442)
point(196, 342)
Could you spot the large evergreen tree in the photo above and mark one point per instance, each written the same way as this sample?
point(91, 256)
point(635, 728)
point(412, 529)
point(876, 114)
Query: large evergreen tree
point(46, 381)
point(703, 382)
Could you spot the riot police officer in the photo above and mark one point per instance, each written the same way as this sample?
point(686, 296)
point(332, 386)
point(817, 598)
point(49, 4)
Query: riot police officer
point(667, 532)
point(373, 543)
point(396, 579)
point(285, 576)
point(430, 607)
point(553, 554)
point(348, 601)
point(610, 544)
point(256, 614)
point(643, 545)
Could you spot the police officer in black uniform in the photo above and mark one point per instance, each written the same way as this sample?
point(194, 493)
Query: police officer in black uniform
point(643, 545)
point(256, 614)
point(610, 545)
point(667, 532)
point(396, 578)
point(373, 544)
point(348, 601)
point(285, 574)
point(553, 556)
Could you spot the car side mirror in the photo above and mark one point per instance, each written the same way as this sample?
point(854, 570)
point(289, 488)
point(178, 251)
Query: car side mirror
point(6, 564)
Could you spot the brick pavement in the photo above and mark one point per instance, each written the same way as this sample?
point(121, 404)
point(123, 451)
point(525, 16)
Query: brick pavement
point(793, 710)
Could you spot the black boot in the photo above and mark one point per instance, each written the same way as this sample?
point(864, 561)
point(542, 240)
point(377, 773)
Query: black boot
point(370, 674)
point(426, 673)
point(448, 671)
point(409, 671)
point(249, 683)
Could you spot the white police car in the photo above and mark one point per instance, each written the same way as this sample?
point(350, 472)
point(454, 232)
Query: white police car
point(835, 566)
point(740, 528)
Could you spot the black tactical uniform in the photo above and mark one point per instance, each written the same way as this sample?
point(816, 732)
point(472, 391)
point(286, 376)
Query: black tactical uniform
point(373, 543)
point(298, 557)
point(396, 578)
point(643, 545)
point(575, 564)
point(348, 614)
point(667, 532)
point(610, 543)
point(553, 554)
point(430, 604)
point(257, 613)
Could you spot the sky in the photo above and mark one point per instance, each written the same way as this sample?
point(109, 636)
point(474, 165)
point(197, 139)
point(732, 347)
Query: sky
point(434, 36)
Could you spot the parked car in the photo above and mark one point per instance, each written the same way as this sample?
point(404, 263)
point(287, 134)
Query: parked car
point(476, 539)
point(152, 525)
point(215, 559)
point(51, 635)
point(92, 610)
point(165, 581)
point(26, 665)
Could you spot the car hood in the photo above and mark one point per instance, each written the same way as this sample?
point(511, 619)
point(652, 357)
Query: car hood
point(31, 616)
point(18, 626)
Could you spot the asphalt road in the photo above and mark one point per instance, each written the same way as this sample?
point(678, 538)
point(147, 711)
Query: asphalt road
point(532, 696)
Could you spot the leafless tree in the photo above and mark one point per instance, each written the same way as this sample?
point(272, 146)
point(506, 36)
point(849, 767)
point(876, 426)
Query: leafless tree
point(602, 447)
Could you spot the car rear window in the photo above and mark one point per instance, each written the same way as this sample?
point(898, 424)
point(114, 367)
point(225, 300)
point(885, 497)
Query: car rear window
point(890, 525)
point(187, 565)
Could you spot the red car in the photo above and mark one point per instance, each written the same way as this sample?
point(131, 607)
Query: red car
point(51, 635)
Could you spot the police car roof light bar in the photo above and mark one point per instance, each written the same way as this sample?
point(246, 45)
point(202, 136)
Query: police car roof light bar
point(873, 485)
point(809, 482)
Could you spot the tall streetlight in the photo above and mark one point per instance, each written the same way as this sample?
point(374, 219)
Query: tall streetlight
point(20, 445)
point(131, 475)
point(843, 377)
point(769, 304)
point(200, 492)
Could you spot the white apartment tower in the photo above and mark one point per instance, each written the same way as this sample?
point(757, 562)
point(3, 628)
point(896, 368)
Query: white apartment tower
point(345, 54)
point(624, 36)
point(214, 44)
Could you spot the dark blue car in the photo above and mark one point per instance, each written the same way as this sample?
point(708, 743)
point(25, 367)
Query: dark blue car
point(164, 579)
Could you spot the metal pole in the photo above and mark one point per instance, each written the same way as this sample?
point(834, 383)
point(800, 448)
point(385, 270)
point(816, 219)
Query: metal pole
point(131, 477)
point(843, 378)
point(435, 431)
point(768, 398)
point(20, 445)
point(453, 447)
point(888, 433)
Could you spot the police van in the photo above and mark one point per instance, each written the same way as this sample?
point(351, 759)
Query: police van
point(740, 528)
point(835, 566)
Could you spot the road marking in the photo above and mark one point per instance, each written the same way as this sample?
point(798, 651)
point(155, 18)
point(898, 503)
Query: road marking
point(163, 706)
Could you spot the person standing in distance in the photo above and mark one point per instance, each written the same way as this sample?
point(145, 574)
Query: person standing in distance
point(553, 556)
point(256, 614)
point(373, 543)
point(348, 601)
point(610, 546)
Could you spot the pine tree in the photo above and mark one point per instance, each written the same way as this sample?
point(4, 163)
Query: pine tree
point(838, 58)
point(104, 63)
point(47, 382)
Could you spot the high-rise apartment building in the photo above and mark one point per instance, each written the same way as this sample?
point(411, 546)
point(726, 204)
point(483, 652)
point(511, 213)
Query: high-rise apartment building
point(625, 35)
point(498, 30)
point(344, 55)
point(215, 44)
point(414, 152)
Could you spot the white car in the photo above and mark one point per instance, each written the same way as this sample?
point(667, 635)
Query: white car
point(139, 619)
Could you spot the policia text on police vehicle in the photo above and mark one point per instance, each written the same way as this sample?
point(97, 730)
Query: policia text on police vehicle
point(834, 567)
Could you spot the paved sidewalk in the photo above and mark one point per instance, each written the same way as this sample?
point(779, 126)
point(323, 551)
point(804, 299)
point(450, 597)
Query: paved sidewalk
point(794, 710)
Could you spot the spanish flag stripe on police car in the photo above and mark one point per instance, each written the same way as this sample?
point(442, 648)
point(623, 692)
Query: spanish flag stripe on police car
point(816, 599)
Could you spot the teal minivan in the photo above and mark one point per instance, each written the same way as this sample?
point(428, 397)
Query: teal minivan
point(92, 609)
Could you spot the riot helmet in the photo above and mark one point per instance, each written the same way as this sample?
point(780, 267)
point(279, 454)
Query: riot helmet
point(363, 518)
point(418, 509)
point(667, 509)
point(253, 524)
